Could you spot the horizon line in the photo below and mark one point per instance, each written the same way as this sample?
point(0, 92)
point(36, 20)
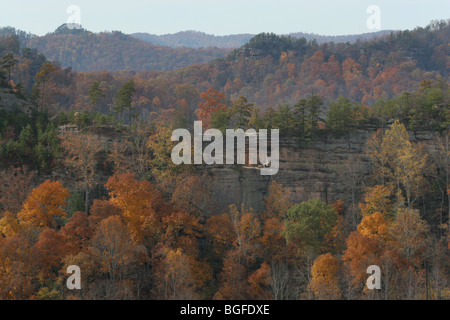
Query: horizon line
point(210, 34)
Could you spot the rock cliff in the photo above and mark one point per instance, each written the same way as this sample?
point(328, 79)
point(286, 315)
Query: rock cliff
point(330, 168)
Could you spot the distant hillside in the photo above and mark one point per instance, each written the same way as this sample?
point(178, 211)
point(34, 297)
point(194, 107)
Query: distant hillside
point(196, 39)
point(272, 69)
point(320, 39)
point(83, 50)
point(268, 70)
point(21, 35)
point(86, 51)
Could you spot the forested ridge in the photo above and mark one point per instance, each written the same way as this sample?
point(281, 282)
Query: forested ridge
point(83, 50)
point(268, 70)
point(196, 39)
point(86, 177)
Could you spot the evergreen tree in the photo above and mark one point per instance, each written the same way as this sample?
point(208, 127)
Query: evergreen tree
point(124, 98)
point(7, 63)
point(96, 94)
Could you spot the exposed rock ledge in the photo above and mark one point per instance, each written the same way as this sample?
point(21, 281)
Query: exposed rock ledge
point(329, 168)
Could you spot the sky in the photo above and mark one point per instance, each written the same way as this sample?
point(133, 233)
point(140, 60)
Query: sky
point(223, 17)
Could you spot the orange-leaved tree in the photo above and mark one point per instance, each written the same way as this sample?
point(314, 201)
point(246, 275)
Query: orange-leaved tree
point(214, 101)
point(9, 225)
point(44, 204)
point(51, 249)
point(324, 282)
point(18, 270)
point(77, 232)
point(135, 199)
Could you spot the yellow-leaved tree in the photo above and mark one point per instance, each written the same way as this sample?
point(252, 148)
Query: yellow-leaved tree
point(399, 164)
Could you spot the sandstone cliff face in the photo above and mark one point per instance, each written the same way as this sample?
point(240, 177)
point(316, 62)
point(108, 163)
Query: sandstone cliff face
point(329, 168)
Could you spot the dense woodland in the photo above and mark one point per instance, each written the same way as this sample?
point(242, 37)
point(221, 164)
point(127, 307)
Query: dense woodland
point(105, 195)
point(269, 70)
point(196, 39)
point(112, 51)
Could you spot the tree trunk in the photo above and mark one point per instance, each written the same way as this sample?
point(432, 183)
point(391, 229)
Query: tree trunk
point(86, 203)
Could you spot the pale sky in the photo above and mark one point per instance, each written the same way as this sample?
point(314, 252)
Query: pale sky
point(222, 17)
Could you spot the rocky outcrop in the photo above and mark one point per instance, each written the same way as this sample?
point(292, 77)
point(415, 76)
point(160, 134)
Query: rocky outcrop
point(330, 168)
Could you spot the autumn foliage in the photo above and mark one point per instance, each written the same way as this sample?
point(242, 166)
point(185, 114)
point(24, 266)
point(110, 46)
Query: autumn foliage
point(80, 187)
point(44, 204)
point(214, 101)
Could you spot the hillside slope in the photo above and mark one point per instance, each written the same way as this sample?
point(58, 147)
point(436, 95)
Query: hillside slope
point(84, 51)
point(196, 39)
point(272, 69)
